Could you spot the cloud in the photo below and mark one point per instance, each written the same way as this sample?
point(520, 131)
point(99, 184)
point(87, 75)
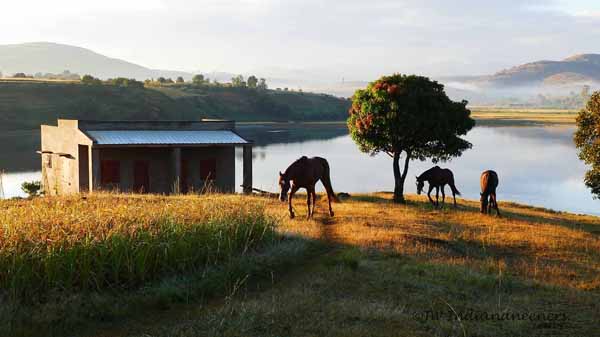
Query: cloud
point(354, 39)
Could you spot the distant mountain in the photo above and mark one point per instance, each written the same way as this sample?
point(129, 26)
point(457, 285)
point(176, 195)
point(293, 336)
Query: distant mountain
point(578, 69)
point(45, 57)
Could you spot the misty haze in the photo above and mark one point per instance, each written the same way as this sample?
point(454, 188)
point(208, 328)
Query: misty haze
point(299, 168)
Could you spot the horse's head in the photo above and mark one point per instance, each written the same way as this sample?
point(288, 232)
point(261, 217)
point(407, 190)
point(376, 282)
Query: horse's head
point(420, 184)
point(484, 203)
point(284, 185)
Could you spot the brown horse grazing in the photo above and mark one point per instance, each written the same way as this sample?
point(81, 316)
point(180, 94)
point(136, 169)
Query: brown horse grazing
point(489, 182)
point(305, 173)
point(437, 177)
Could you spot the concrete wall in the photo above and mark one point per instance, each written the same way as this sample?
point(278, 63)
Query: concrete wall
point(161, 167)
point(225, 159)
point(60, 157)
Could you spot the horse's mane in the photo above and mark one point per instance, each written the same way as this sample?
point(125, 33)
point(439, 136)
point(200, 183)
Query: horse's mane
point(295, 164)
point(428, 172)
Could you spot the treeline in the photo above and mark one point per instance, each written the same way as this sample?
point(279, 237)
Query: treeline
point(65, 75)
point(572, 101)
point(238, 81)
point(197, 80)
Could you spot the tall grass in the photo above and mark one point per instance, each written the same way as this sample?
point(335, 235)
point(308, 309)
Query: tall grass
point(120, 242)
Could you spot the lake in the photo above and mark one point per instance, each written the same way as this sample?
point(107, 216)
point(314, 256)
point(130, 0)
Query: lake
point(537, 165)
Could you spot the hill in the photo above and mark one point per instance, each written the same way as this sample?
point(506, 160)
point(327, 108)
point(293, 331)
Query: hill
point(578, 69)
point(46, 57)
point(375, 269)
point(27, 104)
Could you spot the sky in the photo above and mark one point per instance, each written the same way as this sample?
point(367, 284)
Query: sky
point(350, 39)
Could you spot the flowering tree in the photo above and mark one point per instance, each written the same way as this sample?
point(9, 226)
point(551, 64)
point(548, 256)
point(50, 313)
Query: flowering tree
point(408, 115)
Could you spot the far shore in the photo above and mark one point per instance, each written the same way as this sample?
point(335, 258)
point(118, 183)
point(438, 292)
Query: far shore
point(483, 115)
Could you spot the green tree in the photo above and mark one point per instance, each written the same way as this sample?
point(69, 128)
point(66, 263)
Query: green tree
point(90, 80)
point(587, 140)
point(238, 81)
point(585, 93)
point(408, 115)
point(252, 82)
point(198, 79)
point(179, 80)
point(262, 84)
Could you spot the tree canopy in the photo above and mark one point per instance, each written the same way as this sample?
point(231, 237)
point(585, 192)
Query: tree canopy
point(198, 79)
point(252, 81)
point(90, 80)
point(587, 140)
point(412, 115)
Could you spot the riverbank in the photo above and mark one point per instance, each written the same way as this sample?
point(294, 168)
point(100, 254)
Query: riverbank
point(376, 268)
point(497, 116)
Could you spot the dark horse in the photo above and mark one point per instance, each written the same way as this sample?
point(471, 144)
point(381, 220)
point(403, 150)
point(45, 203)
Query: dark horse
point(437, 177)
point(489, 182)
point(305, 173)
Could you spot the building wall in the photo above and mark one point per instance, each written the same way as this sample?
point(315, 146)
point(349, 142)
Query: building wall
point(161, 168)
point(225, 160)
point(60, 168)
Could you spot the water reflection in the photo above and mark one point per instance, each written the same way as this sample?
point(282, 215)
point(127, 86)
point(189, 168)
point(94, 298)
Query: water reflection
point(536, 165)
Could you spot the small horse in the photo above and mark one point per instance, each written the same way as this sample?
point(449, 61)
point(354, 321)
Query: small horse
point(305, 173)
point(489, 182)
point(437, 177)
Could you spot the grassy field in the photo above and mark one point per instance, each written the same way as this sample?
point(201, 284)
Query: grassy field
point(375, 269)
point(514, 115)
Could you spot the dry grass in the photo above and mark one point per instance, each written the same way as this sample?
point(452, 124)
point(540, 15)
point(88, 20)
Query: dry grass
point(113, 241)
point(547, 247)
point(384, 268)
point(389, 265)
point(555, 116)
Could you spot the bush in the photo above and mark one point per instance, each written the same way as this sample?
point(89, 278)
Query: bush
point(32, 188)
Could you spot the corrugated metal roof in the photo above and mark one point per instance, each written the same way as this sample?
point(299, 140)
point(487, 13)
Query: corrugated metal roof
point(148, 137)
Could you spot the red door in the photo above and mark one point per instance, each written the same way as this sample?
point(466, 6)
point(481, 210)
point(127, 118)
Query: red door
point(208, 169)
point(110, 173)
point(141, 176)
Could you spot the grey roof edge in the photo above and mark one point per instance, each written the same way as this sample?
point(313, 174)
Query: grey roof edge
point(250, 141)
point(98, 142)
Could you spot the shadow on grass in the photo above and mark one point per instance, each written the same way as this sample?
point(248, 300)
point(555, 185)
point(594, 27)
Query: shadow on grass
point(356, 292)
point(87, 313)
point(591, 226)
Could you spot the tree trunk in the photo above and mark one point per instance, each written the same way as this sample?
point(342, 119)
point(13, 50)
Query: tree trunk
point(400, 177)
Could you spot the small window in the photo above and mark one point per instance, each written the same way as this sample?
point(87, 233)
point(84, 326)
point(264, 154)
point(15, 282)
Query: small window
point(208, 169)
point(110, 172)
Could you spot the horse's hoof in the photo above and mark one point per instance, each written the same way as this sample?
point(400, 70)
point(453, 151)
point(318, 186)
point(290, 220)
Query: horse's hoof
point(331, 213)
point(292, 215)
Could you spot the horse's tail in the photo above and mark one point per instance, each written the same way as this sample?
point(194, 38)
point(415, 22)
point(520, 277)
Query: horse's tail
point(326, 179)
point(454, 189)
